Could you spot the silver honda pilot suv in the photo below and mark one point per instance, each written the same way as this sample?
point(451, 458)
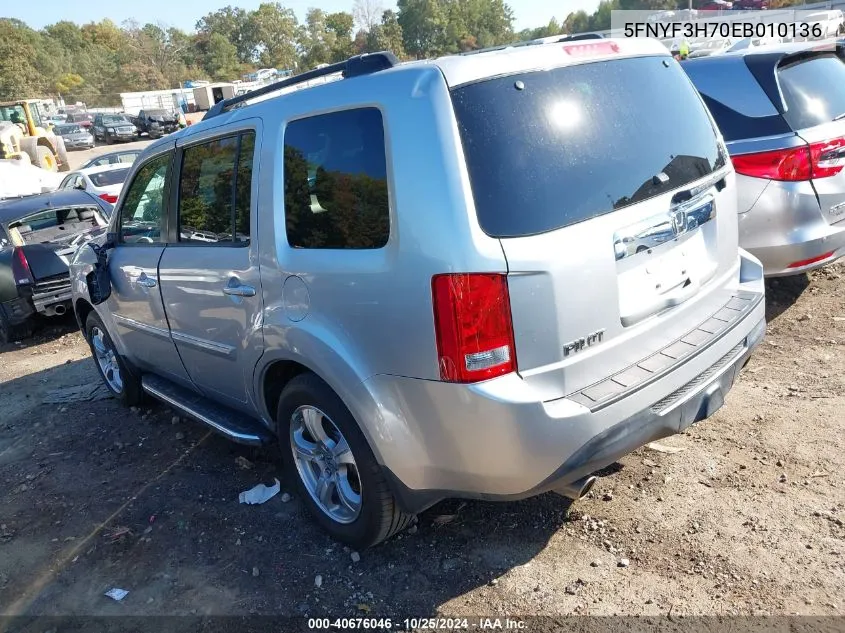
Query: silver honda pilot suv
point(483, 276)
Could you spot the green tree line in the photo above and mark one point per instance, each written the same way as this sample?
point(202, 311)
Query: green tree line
point(95, 62)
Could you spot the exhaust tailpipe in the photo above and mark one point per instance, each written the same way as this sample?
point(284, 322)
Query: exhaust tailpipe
point(577, 489)
point(60, 309)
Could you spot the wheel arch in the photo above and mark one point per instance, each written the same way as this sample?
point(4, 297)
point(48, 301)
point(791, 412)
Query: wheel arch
point(305, 351)
point(81, 309)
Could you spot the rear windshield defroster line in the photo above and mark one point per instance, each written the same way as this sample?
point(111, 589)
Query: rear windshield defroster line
point(547, 149)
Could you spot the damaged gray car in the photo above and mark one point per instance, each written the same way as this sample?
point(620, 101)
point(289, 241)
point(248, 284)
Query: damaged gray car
point(38, 235)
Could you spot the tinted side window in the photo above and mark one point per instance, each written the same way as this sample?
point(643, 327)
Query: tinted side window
point(813, 90)
point(214, 190)
point(336, 181)
point(142, 214)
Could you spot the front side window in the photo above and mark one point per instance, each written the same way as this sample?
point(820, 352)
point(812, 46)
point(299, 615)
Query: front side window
point(335, 173)
point(215, 190)
point(143, 211)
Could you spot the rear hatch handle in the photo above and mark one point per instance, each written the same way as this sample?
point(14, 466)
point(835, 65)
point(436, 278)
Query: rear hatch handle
point(678, 295)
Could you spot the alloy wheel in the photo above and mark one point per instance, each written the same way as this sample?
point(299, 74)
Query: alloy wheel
point(325, 464)
point(107, 360)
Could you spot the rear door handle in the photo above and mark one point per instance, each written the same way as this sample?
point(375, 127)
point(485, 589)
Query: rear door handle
point(239, 291)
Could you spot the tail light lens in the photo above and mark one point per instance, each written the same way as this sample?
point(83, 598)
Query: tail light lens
point(20, 268)
point(817, 160)
point(473, 325)
point(828, 157)
point(788, 164)
point(110, 198)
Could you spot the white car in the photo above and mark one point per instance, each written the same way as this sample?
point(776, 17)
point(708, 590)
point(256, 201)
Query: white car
point(710, 47)
point(755, 42)
point(830, 22)
point(105, 182)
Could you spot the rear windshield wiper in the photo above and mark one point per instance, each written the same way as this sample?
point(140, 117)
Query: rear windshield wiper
point(839, 117)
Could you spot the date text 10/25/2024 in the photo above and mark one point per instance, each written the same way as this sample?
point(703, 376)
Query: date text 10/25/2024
point(417, 624)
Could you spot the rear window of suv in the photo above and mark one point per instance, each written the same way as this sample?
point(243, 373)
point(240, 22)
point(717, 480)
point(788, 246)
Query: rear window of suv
point(548, 149)
point(108, 178)
point(813, 90)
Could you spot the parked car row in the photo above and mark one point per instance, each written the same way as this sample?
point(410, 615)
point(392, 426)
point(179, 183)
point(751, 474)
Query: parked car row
point(82, 130)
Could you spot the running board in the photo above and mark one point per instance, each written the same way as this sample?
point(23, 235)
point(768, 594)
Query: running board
point(230, 424)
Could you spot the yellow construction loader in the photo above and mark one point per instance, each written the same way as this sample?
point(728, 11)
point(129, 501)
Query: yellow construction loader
point(24, 136)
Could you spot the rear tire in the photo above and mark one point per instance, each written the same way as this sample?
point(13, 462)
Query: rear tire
point(124, 384)
point(10, 333)
point(376, 516)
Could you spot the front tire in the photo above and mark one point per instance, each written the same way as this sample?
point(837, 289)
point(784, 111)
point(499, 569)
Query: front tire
point(335, 471)
point(123, 383)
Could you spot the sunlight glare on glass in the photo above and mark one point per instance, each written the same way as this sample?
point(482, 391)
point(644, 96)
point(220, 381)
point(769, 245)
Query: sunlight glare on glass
point(816, 106)
point(565, 114)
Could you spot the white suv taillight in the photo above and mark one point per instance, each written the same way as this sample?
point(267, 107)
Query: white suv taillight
point(473, 325)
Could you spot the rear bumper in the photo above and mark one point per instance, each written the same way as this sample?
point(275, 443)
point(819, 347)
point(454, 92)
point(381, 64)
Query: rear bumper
point(785, 225)
point(497, 441)
point(49, 294)
point(122, 136)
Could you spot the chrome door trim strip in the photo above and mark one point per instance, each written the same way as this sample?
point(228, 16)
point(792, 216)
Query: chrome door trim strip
point(204, 345)
point(146, 328)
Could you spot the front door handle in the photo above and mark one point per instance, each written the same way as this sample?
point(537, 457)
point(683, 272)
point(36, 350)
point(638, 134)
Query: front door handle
point(239, 291)
point(146, 282)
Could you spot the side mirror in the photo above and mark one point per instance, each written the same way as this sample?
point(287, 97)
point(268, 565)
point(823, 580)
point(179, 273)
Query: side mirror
point(79, 185)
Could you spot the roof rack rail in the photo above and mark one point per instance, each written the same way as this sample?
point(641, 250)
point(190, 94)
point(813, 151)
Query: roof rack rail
point(352, 67)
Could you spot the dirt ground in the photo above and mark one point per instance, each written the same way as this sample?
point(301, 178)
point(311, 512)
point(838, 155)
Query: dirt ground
point(746, 519)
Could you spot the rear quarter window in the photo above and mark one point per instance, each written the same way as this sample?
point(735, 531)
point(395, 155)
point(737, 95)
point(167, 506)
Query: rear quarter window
point(548, 149)
point(813, 90)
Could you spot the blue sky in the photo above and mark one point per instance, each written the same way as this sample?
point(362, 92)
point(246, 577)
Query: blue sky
point(185, 13)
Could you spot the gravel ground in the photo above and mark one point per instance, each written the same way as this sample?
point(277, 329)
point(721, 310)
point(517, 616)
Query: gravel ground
point(746, 518)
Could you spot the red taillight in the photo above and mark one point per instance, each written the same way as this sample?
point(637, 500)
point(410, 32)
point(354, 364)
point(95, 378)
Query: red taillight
point(828, 157)
point(600, 48)
point(20, 268)
point(812, 260)
point(817, 160)
point(787, 164)
point(472, 319)
point(111, 199)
